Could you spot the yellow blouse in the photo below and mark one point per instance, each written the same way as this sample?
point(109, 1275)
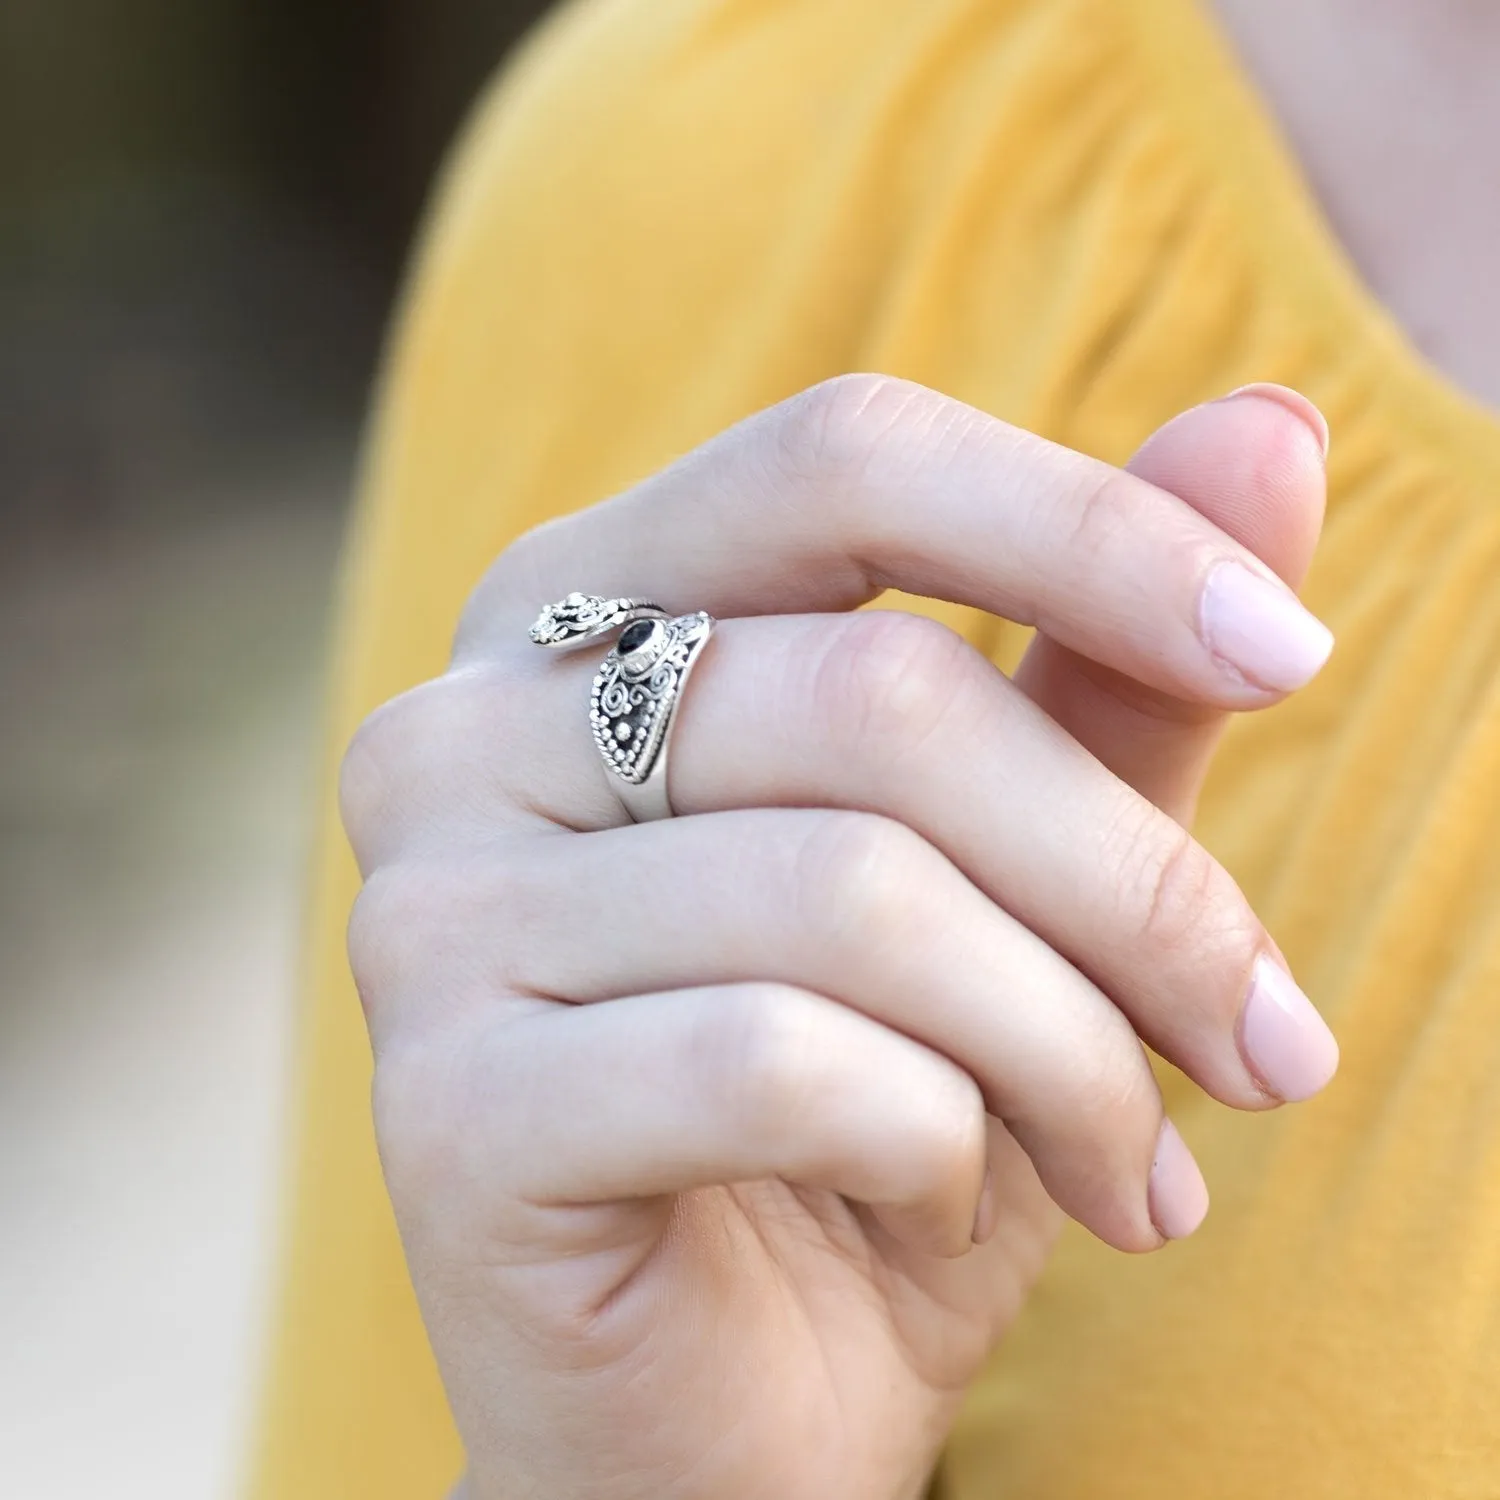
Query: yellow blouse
point(1075, 214)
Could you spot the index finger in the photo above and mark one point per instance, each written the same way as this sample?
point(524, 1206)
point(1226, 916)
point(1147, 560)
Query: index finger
point(866, 483)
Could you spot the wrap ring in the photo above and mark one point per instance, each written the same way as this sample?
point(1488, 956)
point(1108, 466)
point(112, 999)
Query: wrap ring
point(636, 690)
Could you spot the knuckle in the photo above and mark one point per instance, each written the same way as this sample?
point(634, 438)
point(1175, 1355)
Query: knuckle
point(475, 629)
point(1165, 875)
point(520, 578)
point(511, 576)
point(835, 430)
point(368, 770)
point(385, 754)
point(758, 1054)
point(1183, 906)
point(430, 938)
point(947, 1135)
point(1104, 506)
point(888, 681)
point(388, 926)
point(1118, 1097)
point(430, 927)
point(413, 760)
point(856, 879)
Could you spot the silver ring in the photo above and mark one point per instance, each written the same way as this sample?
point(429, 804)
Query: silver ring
point(635, 692)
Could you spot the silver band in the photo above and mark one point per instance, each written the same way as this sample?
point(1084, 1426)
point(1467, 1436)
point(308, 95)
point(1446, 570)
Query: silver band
point(634, 696)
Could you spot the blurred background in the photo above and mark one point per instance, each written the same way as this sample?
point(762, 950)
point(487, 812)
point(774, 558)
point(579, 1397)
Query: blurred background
point(204, 210)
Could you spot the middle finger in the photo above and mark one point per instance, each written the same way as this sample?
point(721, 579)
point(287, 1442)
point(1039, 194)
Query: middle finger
point(892, 714)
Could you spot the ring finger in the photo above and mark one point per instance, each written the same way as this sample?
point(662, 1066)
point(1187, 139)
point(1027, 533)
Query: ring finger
point(888, 713)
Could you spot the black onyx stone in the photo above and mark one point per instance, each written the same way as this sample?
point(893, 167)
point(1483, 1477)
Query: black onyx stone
point(635, 635)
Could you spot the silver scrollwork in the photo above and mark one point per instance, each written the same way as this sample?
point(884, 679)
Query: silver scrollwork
point(636, 689)
point(582, 617)
point(631, 705)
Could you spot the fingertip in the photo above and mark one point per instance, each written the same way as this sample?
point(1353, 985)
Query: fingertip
point(1290, 400)
point(1252, 463)
point(924, 1230)
point(1286, 1043)
point(1176, 1193)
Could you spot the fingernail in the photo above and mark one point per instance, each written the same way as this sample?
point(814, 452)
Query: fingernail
point(1260, 629)
point(1176, 1196)
point(985, 1217)
point(1295, 402)
point(1285, 1042)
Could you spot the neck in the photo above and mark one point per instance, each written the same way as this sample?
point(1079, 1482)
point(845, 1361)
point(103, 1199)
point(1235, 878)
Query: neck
point(1393, 107)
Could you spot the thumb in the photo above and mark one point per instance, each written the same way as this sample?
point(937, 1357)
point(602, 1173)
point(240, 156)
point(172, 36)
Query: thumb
point(1252, 463)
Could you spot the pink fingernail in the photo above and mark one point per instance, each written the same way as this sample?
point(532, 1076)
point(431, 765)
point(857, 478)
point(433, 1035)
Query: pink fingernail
point(1295, 402)
point(1260, 629)
point(1285, 1042)
point(1176, 1195)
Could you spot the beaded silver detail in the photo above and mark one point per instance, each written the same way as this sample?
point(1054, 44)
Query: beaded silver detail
point(636, 689)
point(633, 695)
point(582, 617)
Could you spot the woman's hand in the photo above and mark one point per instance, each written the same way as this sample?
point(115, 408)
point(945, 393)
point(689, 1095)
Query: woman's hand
point(724, 1148)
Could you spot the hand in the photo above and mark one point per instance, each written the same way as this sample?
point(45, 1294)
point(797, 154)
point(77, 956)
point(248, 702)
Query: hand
point(692, 1127)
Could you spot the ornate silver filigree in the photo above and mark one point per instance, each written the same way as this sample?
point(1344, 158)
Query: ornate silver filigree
point(636, 689)
point(582, 617)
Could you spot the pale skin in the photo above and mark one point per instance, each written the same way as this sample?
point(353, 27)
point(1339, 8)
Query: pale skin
point(1392, 109)
point(726, 1148)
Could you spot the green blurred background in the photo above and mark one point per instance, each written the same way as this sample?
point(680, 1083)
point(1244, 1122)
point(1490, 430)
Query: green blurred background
point(205, 206)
